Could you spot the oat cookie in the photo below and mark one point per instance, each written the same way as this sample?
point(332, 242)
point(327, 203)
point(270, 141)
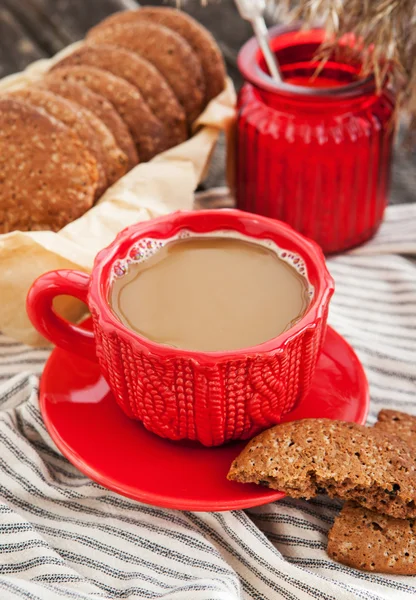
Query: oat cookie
point(72, 116)
point(199, 38)
point(168, 52)
point(48, 176)
point(146, 130)
point(367, 540)
point(370, 541)
point(398, 423)
point(97, 104)
point(344, 460)
point(155, 90)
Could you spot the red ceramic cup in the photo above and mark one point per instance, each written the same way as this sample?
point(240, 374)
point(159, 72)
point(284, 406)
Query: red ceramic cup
point(212, 397)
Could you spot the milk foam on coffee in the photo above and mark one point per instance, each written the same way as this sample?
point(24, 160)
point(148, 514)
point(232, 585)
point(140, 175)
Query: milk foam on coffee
point(209, 292)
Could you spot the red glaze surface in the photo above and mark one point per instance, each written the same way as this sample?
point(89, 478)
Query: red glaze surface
point(212, 397)
point(317, 155)
point(52, 326)
point(89, 428)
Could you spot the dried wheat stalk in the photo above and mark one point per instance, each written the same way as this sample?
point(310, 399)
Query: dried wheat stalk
point(387, 29)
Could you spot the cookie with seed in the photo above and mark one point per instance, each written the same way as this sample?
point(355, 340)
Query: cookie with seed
point(344, 460)
point(91, 130)
point(146, 130)
point(368, 540)
point(398, 423)
point(48, 176)
point(97, 104)
point(200, 40)
point(73, 117)
point(144, 76)
point(168, 52)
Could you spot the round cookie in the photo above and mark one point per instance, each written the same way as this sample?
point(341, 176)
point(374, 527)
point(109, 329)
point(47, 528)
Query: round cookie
point(367, 540)
point(146, 130)
point(48, 176)
point(344, 460)
point(199, 38)
point(103, 145)
point(168, 52)
point(97, 104)
point(71, 116)
point(398, 423)
point(144, 76)
point(364, 539)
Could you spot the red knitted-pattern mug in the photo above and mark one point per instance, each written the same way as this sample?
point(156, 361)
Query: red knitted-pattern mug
point(212, 397)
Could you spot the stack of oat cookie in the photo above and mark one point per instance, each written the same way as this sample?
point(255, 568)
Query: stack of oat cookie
point(373, 469)
point(131, 91)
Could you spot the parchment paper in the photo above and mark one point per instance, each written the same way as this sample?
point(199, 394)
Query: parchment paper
point(163, 185)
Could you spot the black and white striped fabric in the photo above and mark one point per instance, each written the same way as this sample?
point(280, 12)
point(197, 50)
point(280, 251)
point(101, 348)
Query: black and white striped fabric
point(63, 536)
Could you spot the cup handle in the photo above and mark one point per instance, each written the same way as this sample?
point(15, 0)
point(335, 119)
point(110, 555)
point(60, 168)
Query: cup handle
point(48, 323)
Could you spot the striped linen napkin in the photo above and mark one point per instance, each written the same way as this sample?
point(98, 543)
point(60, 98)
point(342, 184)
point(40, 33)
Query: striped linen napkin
point(63, 536)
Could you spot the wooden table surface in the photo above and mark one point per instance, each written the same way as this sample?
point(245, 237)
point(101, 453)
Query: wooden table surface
point(33, 29)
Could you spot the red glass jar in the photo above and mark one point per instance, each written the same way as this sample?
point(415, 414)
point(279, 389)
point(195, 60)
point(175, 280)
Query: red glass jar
point(317, 155)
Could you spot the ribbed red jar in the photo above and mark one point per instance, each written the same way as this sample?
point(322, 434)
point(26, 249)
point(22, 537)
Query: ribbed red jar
point(316, 156)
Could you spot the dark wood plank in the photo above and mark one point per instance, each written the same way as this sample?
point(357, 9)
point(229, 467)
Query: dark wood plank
point(403, 183)
point(37, 25)
point(55, 24)
point(16, 49)
point(33, 29)
point(73, 18)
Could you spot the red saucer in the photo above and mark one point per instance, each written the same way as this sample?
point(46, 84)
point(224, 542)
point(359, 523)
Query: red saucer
point(94, 434)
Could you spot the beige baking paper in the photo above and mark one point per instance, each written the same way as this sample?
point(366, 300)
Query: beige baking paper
point(152, 189)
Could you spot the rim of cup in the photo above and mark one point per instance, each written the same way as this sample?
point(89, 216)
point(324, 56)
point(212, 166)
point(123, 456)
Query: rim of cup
point(204, 221)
